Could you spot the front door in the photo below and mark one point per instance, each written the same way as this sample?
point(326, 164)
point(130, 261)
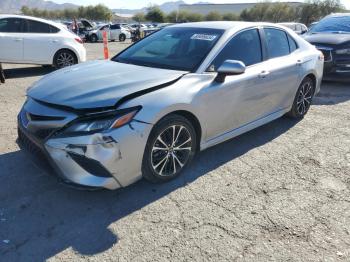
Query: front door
point(11, 40)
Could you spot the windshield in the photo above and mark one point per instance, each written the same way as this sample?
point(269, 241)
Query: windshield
point(332, 24)
point(172, 48)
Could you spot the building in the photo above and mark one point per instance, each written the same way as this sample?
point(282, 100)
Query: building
point(235, 8)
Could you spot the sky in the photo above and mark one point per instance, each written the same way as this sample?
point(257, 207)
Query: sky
point(135, 4)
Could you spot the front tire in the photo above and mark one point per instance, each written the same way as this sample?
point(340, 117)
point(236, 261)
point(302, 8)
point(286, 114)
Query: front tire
point(122, 38)
point(170, 148)
point(303, 99)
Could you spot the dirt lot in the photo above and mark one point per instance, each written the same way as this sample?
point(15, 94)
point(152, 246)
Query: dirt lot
point(278, 193)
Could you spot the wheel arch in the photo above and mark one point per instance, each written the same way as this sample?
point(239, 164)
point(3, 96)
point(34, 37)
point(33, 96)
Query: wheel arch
point(67, 49)
point(192, 119)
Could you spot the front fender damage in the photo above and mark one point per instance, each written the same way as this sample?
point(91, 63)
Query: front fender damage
point(109, 160)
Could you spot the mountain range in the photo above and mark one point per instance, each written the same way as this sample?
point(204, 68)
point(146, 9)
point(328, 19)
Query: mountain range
point(14, 6)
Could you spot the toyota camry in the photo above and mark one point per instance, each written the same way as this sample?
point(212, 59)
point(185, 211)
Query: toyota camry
point(152, 107)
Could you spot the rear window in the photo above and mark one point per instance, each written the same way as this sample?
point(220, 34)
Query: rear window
point(333, 24)
point(277, 42)
point(39, 27)
point(292, 44)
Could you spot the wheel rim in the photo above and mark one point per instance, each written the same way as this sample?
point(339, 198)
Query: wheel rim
point(122, 38)
point(304, 98)
point(65, 59)
point(171, 150)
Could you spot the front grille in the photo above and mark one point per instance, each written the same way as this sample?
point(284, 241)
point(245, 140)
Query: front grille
point(41, 133)
point(35, 117)
point(29, 144)
point(44, 133)
point(37, 154)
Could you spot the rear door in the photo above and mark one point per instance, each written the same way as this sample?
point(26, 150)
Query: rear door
point(283, 67)
point(11, 40)
point(40, 42)
point(115, 31)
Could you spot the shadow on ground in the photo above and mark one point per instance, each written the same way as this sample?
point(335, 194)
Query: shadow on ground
point(43, 218)
point(333, 93)
point(27, 71)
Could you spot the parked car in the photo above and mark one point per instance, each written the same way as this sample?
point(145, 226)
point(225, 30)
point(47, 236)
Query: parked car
point(114, 32)
point(29, 40)
point(331, 35)
point(147, 111)
point(296, 27)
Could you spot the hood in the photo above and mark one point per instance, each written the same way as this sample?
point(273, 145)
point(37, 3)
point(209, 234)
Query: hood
point(98, 84)
point(327, 38)
point(87, 24)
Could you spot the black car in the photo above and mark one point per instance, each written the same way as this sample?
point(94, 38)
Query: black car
point(332, 36)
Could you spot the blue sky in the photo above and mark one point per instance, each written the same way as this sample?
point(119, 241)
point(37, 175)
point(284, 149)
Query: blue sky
point(133, 4)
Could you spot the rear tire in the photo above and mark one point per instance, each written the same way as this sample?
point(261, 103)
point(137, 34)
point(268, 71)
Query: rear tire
point(64, 58)
point(93, 38)
point(303, 99)
point(170, 148)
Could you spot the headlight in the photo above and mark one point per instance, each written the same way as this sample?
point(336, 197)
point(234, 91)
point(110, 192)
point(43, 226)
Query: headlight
point(345, 51)
point(101, 122)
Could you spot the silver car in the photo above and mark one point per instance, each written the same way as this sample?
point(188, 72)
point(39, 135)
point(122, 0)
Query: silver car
point(147, 111)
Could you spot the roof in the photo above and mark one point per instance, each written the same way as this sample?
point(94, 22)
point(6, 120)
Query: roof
point(31, 18)
point(340, 14)
point(224, 25)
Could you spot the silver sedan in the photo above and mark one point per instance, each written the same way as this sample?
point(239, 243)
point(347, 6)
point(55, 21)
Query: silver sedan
point(148, 110)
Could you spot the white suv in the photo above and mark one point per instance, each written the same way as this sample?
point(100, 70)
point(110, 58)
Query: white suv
point(29, 40)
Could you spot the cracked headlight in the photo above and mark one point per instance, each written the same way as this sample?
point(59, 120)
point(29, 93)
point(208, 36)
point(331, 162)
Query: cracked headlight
point(345, 51)
point(101, 122)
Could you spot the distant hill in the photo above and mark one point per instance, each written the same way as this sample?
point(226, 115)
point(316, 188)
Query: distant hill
point(166, 7)
point(14, 6)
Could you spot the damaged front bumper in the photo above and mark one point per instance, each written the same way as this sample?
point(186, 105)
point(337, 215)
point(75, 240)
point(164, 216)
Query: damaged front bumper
point(106, 160)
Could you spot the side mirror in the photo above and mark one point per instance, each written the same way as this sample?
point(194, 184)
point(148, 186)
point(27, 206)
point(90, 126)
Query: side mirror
point(228, 68)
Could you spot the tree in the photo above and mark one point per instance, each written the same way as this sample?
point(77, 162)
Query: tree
point(314, 10)
point(139, 17)
point(26, 10)
point(98, 12)
point(213, 16)
point(230, 17)
point(183, 16)
point(154, 14)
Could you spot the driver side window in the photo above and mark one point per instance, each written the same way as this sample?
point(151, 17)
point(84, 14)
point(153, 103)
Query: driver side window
point(245, 47)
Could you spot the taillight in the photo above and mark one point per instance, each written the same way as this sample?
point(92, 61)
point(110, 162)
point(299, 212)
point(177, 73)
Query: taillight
point(79, 40)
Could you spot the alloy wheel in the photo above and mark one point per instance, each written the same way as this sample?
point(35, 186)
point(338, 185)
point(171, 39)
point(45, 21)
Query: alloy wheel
point(65, 59)
point(171, 150)
point(304, 98)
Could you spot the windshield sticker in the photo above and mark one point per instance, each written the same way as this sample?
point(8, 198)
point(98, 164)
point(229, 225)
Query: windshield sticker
point(204, 37)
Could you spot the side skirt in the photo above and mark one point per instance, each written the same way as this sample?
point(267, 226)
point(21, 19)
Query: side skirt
point(243, 129)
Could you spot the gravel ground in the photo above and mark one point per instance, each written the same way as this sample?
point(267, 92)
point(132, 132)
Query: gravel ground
point(277, 193)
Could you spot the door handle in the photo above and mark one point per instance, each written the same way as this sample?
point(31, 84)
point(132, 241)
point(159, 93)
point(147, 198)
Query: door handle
point(264, 74)
point(299, 62)
point(18, 39)
point(54, 41)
